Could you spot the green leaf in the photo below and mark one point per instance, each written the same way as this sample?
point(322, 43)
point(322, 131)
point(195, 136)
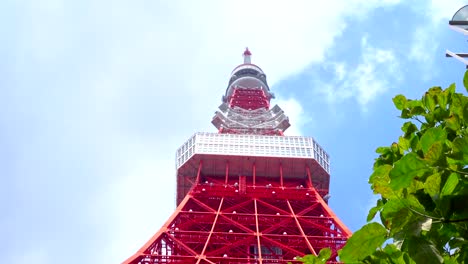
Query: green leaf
point(399, 101)
point(432, 185)
point(434, 153)
point(409, 128)
point(450, 260)
point(429, 101)
point(413, 103)
point(417, 110)
point(441, 114)
point(400, 220)
point(391, 249)
point(373, 211)
point(423, 251)
point(363, 243)
point(431, 136)
point(389, 210)
point(382, 150)
point(450, 90)
point(465, 81)
point(322, 258)
point(380, 181)
point(429, 118)
point(458, 103)
point(404, 143)
point(460, 149)
point(453, 122)
point(404, 171)
point(324, 255)
point(450, 185)
point(443, 97)
point(405, 114)
point(414, 141)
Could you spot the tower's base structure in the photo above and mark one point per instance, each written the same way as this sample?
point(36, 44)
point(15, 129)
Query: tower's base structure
point(253, 196)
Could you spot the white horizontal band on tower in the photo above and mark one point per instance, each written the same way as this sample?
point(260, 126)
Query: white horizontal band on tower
point(252, 145)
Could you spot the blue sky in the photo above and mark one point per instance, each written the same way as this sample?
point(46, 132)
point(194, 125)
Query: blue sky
point(95, 97)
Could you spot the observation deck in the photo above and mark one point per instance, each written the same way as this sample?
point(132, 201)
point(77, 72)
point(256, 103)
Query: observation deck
point(282, 160)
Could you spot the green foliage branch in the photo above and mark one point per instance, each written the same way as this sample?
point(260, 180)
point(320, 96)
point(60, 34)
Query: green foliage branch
point(422, 182)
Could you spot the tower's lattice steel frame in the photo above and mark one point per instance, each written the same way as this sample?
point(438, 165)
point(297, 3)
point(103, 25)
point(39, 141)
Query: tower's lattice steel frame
point(247, 194)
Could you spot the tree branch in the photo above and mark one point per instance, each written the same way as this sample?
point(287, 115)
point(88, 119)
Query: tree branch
point(423, 215)
point(461, 172)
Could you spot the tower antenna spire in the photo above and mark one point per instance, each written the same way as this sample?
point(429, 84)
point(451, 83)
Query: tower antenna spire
point(247, 56)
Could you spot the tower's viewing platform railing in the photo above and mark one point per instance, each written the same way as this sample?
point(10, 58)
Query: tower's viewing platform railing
point(252, 145)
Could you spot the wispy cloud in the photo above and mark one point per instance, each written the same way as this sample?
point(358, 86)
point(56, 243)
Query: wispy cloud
point(293, 109)
point(370, 77)
point(423, 50)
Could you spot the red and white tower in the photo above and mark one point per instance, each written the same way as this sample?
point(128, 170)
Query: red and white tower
point(247, 194)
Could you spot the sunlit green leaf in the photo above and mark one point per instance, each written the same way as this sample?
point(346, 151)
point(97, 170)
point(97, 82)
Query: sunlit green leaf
point(373, 211)
point(399, 101)
point(457, 104)
point(380, 181)
point(363, 243)
point(450, 184)
point(451, 89)
point(432, 185)
point(429, 118)
point(413, 103)
point(404, 143)
point(409, 128)
point(434, 153)
point(443, 97)
point(382, 150)
point(453, 122)
point(405, 114)
point(404, 171)
point(432, 136)
point(440, 114)
point(429, 102)
point(322, 258)
point(414, 142)
point(324, 255)
point(417, 110)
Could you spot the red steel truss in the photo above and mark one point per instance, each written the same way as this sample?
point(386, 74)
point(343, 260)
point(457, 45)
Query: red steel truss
point(225, 219)
point(268, 207)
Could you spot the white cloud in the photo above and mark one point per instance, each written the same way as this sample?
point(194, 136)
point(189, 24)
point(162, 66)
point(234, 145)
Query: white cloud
point(372, 76)
point(423, 50)
point(293, 109)
point(134, 206)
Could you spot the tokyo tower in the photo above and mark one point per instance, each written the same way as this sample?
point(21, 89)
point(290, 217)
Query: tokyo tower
point(248, 194)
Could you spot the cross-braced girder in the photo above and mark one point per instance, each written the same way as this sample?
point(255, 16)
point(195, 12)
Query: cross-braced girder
point(248, 194)
point(271, 221)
